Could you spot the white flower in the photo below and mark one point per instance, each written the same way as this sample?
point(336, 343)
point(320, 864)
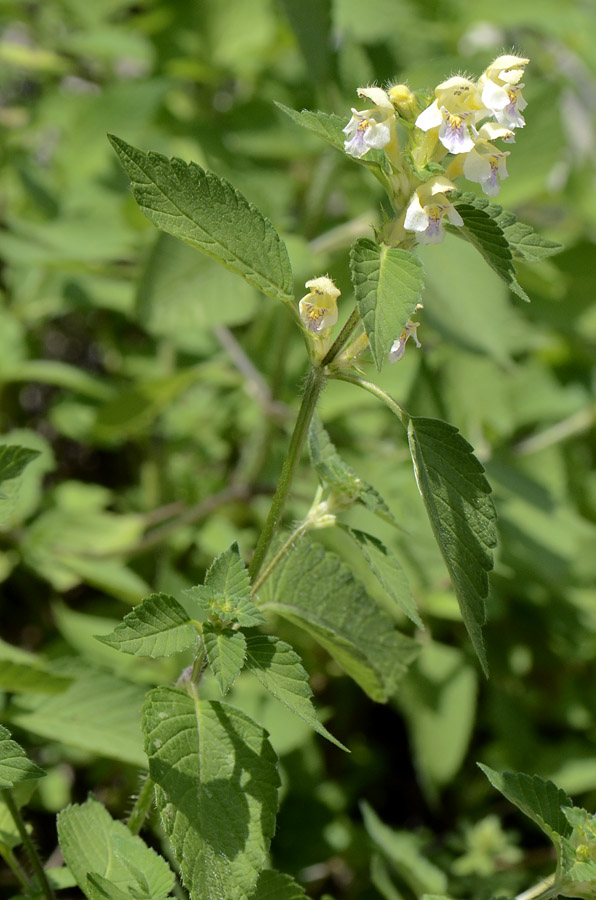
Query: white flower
point(455, 111)
point(318, 308)
point(501, 90)
point(485, 164)
point(398, 347)
point(370, 129)
point(428, 206)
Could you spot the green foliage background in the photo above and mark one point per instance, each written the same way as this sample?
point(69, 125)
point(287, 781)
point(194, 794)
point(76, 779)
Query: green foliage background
point(160, 392)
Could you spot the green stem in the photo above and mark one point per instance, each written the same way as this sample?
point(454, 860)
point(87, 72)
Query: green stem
point(294, 535)
point(142, 807)
point(13, 864)
point(544, 890)
point(316, 380)
point(342, 337)
point(28, 845)
point(378, 392)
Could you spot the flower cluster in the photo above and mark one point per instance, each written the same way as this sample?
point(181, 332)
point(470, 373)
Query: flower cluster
point(449, 125)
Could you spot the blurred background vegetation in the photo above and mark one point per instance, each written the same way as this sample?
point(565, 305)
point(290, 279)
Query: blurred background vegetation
point(160, 391)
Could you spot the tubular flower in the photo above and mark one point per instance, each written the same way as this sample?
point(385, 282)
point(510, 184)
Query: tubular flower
point(318, 309)
point(398, 347)
point(485, 164)
point(371, 129)
point(455, 111)
point(501, 91)
point(428, 206)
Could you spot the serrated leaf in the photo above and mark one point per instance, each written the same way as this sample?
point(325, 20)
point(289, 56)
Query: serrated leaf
point(335, 473)
point(277, 886)
point(226, 592)
point(216, 790)
point(402, 850)
point(315, 590)
point(522, 238)
point(211, 215)
point(13, 459)
point(159, 626)
point(388, 572)
point(94, 843)
point(98, 712)
point(14, 763)
point(279, 669)
point(456, 495)
point(487, 236)
point(388, 285)
point(225, 654)
point(25, 678)
point(541, 800)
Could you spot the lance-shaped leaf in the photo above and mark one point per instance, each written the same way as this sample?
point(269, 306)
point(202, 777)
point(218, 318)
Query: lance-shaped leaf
point(225, 654)
point(106, 859)
point(487, 236)
point(226, 592)
point(159, 626)
point(277, 886)
point(315, 590)
point(216, 789)
point(522, 239)
point(388, 572)
point(336, 474)
point(279, 669)
point(14, 763)
point(541, 800)
point(461, 512)
point(210, 214)
point(13, 460)
point(388, 285)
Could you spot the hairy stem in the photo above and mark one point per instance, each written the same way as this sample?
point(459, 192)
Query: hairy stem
point(315, 382)
point(142, 807)
point(28, 845)
point(342, 337)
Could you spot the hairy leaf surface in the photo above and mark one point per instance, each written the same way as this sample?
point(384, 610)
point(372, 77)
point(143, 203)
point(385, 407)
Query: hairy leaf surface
point(315, 590)
point(210, 214)
point(279, 669)
point(94, 844)
point(225, 654)
point(216, 789)
point(461, 512)
point(226, 592)
point(541, 800)
point(159, 626)
point(388, 285)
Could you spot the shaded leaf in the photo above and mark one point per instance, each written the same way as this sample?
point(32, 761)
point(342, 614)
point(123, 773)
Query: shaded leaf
point(277, 886)
point(541, 800)
point(25, 678)
point(522, 238)
point(14, 764)
point(456, 495)
point(225, 654)
point(388, 285)
point(216, 789)
point(279, 669)
point(208, 213)
point(13, 459)
point(315, 590)
point(158, 626)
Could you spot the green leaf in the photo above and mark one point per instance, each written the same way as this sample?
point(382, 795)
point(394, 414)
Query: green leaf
point(316, 591)
point(402, 850)
point(522, 238)
point(25, 678)
point(388, 572)
point(159, 626)
point(14, 764)
point(279, 669)
point(216, 789)
point(226, 593)
point(388, 285)
point(98, 713)
point(277, 886)
point(211, 215)
point(541, 800)
point(13, 459)
point(225, 654)
point(21, 794)
point(335, 473)
point(487, 236)
point(93, 843)
point(456, 495)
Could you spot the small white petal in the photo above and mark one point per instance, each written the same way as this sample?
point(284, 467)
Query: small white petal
point(378, 96)
point(494, 96)
point(431, 117)
point(378, 136)
point(416, 217)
